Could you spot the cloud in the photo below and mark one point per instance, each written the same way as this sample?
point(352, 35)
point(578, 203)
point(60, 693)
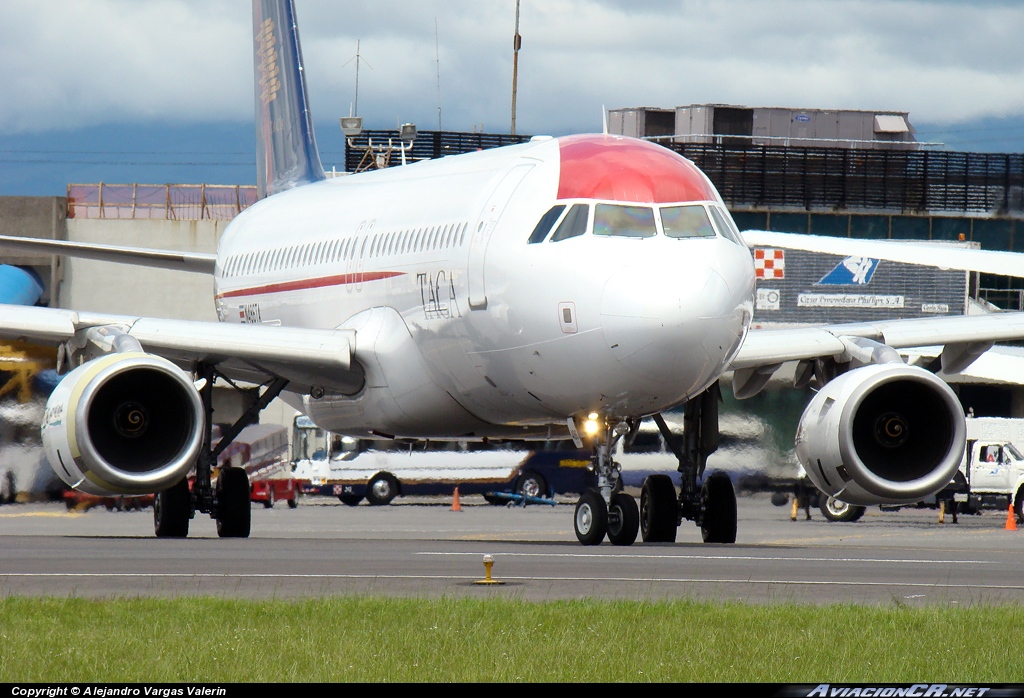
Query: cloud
point(70, 63)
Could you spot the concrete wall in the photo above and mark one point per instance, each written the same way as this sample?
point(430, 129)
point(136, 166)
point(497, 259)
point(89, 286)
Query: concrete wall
point(36, 217)
point(33, 216)
point(118, 288)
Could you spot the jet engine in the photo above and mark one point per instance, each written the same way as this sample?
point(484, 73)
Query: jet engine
point(125, 423)
point(882, 434)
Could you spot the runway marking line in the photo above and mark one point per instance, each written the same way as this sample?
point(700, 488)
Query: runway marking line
point(647, 580)
point(45, 514)
point(627, 557)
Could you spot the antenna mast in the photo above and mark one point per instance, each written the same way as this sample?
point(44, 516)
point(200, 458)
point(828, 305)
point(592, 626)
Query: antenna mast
point(517, 42)
point(357, 58)
point(357, 79)
point(437, 58)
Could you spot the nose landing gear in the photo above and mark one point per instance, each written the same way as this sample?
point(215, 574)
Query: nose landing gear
point(607, 510)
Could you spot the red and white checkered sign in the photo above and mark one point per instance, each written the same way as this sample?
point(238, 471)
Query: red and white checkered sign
point(769, 263)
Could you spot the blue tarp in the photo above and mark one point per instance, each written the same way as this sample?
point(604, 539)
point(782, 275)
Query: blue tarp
point(19, 286)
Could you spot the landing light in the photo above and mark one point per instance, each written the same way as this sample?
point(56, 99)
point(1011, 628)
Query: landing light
point(591, 427)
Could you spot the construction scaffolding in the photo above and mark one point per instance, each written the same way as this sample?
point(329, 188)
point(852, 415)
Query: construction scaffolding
point(159, 201)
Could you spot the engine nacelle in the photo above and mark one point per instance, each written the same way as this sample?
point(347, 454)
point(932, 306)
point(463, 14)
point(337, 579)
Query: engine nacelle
point(882, 434)
point(125, 423)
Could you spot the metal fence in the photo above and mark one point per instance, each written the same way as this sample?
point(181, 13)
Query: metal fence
point(908, 181)
point(428, 145)
point(751, 177)
point(841, 179)
point(159, 201)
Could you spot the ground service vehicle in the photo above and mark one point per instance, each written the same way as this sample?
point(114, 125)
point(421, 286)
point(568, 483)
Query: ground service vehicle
point(262, 451)
point(837, 510)
point(379, 470)
point(991, 474)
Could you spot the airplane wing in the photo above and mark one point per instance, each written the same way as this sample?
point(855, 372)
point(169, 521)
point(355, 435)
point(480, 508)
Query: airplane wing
point(962, 339)
point(306, 357)
point(945, 255)
point(162, 259)
point(1000, 365)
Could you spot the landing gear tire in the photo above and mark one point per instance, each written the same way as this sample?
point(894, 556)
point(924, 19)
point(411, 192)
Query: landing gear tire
point(172, 510)
point(1018, 505)
point(350, 500)
point(532, 484)
point(591, 519)
point(718, 500)
point(382, 489)
point(623, 520)
point(234, 514)
point(836, 510)
point(658, 510)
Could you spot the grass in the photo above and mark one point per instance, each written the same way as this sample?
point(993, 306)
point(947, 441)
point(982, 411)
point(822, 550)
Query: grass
point(369, 639)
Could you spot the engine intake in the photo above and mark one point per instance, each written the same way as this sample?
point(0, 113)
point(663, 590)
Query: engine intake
point(882, 434)
point(126, 423)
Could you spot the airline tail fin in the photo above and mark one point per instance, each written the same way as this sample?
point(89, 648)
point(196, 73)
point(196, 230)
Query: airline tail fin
point(286, 153)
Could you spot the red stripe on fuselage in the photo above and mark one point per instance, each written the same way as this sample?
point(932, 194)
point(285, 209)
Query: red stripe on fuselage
point(319, 282)
point(615, 168)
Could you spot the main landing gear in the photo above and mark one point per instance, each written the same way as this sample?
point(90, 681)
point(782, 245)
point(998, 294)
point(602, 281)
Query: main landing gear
point(709, 502)
point(227, 499)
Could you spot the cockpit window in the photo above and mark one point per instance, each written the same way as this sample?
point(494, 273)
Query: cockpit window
point(574, 223)
point(726, 226)
point(686, 222)
point(624, 221)
point(545, 223)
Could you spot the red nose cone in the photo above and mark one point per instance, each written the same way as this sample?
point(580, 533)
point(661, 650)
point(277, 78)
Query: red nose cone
point(625, 169)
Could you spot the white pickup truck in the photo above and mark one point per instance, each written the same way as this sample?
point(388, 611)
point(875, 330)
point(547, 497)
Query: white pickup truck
point(991, 473)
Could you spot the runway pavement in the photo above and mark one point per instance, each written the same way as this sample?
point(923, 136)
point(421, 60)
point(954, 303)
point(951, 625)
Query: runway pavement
point(423, 548)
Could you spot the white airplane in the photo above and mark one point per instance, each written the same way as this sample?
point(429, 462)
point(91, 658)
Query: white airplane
point(561, 287)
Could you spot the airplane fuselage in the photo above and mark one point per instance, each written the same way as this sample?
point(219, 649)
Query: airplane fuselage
point(631, 295)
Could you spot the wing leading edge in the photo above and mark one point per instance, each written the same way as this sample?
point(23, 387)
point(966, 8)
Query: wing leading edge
point(306, 357)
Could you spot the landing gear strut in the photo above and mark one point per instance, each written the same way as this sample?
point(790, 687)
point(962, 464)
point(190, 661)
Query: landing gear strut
point(606, 510)
point(713, 505)
point(228, 500)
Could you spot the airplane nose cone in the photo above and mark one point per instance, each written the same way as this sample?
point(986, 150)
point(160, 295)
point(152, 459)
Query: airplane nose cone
point(673, 328)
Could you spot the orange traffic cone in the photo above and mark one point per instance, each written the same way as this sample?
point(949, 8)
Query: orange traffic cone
point(1011, 520)
point(455, 501)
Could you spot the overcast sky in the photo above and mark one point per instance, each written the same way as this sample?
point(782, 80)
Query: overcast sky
point(69, 64)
